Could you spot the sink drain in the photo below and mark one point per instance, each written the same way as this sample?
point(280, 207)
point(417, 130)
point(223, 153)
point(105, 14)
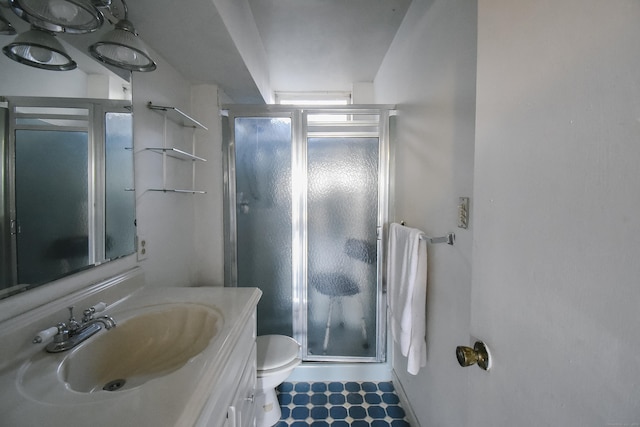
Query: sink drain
point(114, 385)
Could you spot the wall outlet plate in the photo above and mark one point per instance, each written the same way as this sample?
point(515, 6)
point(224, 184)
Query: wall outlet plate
point(141, 245)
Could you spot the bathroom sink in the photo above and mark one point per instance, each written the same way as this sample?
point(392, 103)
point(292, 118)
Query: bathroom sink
point(153, 342)
point(174, 359)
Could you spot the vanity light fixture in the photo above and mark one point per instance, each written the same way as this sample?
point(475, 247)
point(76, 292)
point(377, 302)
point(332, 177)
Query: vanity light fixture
point(39, 48)
point(120, 47)
point(68, 16)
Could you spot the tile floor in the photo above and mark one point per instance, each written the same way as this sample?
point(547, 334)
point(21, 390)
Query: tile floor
point(340, 404)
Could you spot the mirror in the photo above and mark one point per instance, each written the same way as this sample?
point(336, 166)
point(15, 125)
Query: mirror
point(66, 148)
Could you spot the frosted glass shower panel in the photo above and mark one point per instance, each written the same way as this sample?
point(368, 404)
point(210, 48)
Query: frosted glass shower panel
point(342, 215)
point(307, 193)
point(263, 217)
point(51, 203)
point(120, 200)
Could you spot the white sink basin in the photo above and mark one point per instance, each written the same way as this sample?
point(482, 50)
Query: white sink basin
point(151, 344)
point(147, 343)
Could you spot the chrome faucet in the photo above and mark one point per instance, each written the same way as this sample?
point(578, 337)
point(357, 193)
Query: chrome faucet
point(87, 316)
point(70, 334)
point(107, 321)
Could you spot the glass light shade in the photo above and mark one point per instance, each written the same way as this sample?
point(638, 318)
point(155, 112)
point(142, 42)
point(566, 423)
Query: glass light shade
point(70, 16)
point(40, 49)
point(122, 48)
point(6, 29)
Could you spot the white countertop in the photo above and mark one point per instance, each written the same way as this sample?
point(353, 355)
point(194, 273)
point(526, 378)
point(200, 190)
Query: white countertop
point(175, 399)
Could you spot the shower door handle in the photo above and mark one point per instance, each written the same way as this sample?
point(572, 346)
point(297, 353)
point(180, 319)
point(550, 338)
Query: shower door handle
point(14, 227)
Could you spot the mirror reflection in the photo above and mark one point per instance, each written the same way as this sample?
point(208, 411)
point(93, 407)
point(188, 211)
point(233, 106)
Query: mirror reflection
point(66, 197)
point(69, 187)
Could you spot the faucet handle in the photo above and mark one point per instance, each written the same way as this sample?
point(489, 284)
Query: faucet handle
point(101, 306)
point(59, 332)
point(89, 312)
point(45, 335)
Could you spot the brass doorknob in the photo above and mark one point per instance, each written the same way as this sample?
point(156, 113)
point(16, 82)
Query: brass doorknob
point(479, 354)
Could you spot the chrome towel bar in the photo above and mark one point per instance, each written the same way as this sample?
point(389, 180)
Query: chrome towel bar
point(448, 239)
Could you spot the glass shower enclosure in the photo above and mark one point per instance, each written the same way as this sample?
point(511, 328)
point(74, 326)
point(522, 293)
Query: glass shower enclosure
point(306, 198)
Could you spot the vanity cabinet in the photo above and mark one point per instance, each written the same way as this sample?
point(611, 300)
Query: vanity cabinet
point(232, 402)
point(241, 411)
point(170, 153)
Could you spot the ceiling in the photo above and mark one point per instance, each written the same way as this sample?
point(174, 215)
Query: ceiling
point(251, 48)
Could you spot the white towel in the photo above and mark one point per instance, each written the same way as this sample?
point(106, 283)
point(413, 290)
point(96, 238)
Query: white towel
point(407, 293)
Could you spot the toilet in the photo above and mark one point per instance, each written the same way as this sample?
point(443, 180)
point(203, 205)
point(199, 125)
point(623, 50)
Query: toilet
point(277, 357)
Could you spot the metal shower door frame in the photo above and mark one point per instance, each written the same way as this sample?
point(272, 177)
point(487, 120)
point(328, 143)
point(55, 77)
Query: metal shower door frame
point(299, 134)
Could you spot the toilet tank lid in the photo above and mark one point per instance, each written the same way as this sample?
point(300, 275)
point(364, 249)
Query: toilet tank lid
point(273, 351)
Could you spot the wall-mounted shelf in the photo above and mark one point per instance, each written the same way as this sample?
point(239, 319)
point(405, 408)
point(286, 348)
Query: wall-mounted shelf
point(177, 116)
point(176, 154)
point(173, 190)
point(182, 119)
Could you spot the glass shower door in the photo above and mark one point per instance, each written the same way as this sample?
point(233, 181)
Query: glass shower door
point(51, 203)
point(342, 214)
point(263, 217)
point(304, 210)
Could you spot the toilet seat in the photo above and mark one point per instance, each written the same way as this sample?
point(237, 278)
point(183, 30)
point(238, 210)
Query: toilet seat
point(276, 358)
point(275, 351)
point(266, 373)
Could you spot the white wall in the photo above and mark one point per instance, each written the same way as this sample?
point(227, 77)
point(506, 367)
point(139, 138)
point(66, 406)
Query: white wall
point(21, 80)
point(209, 234)
point(90, 79)
point(238, 18)
point(429, 72)
point(554, 272)
point(170, 222)
point(556, 240)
